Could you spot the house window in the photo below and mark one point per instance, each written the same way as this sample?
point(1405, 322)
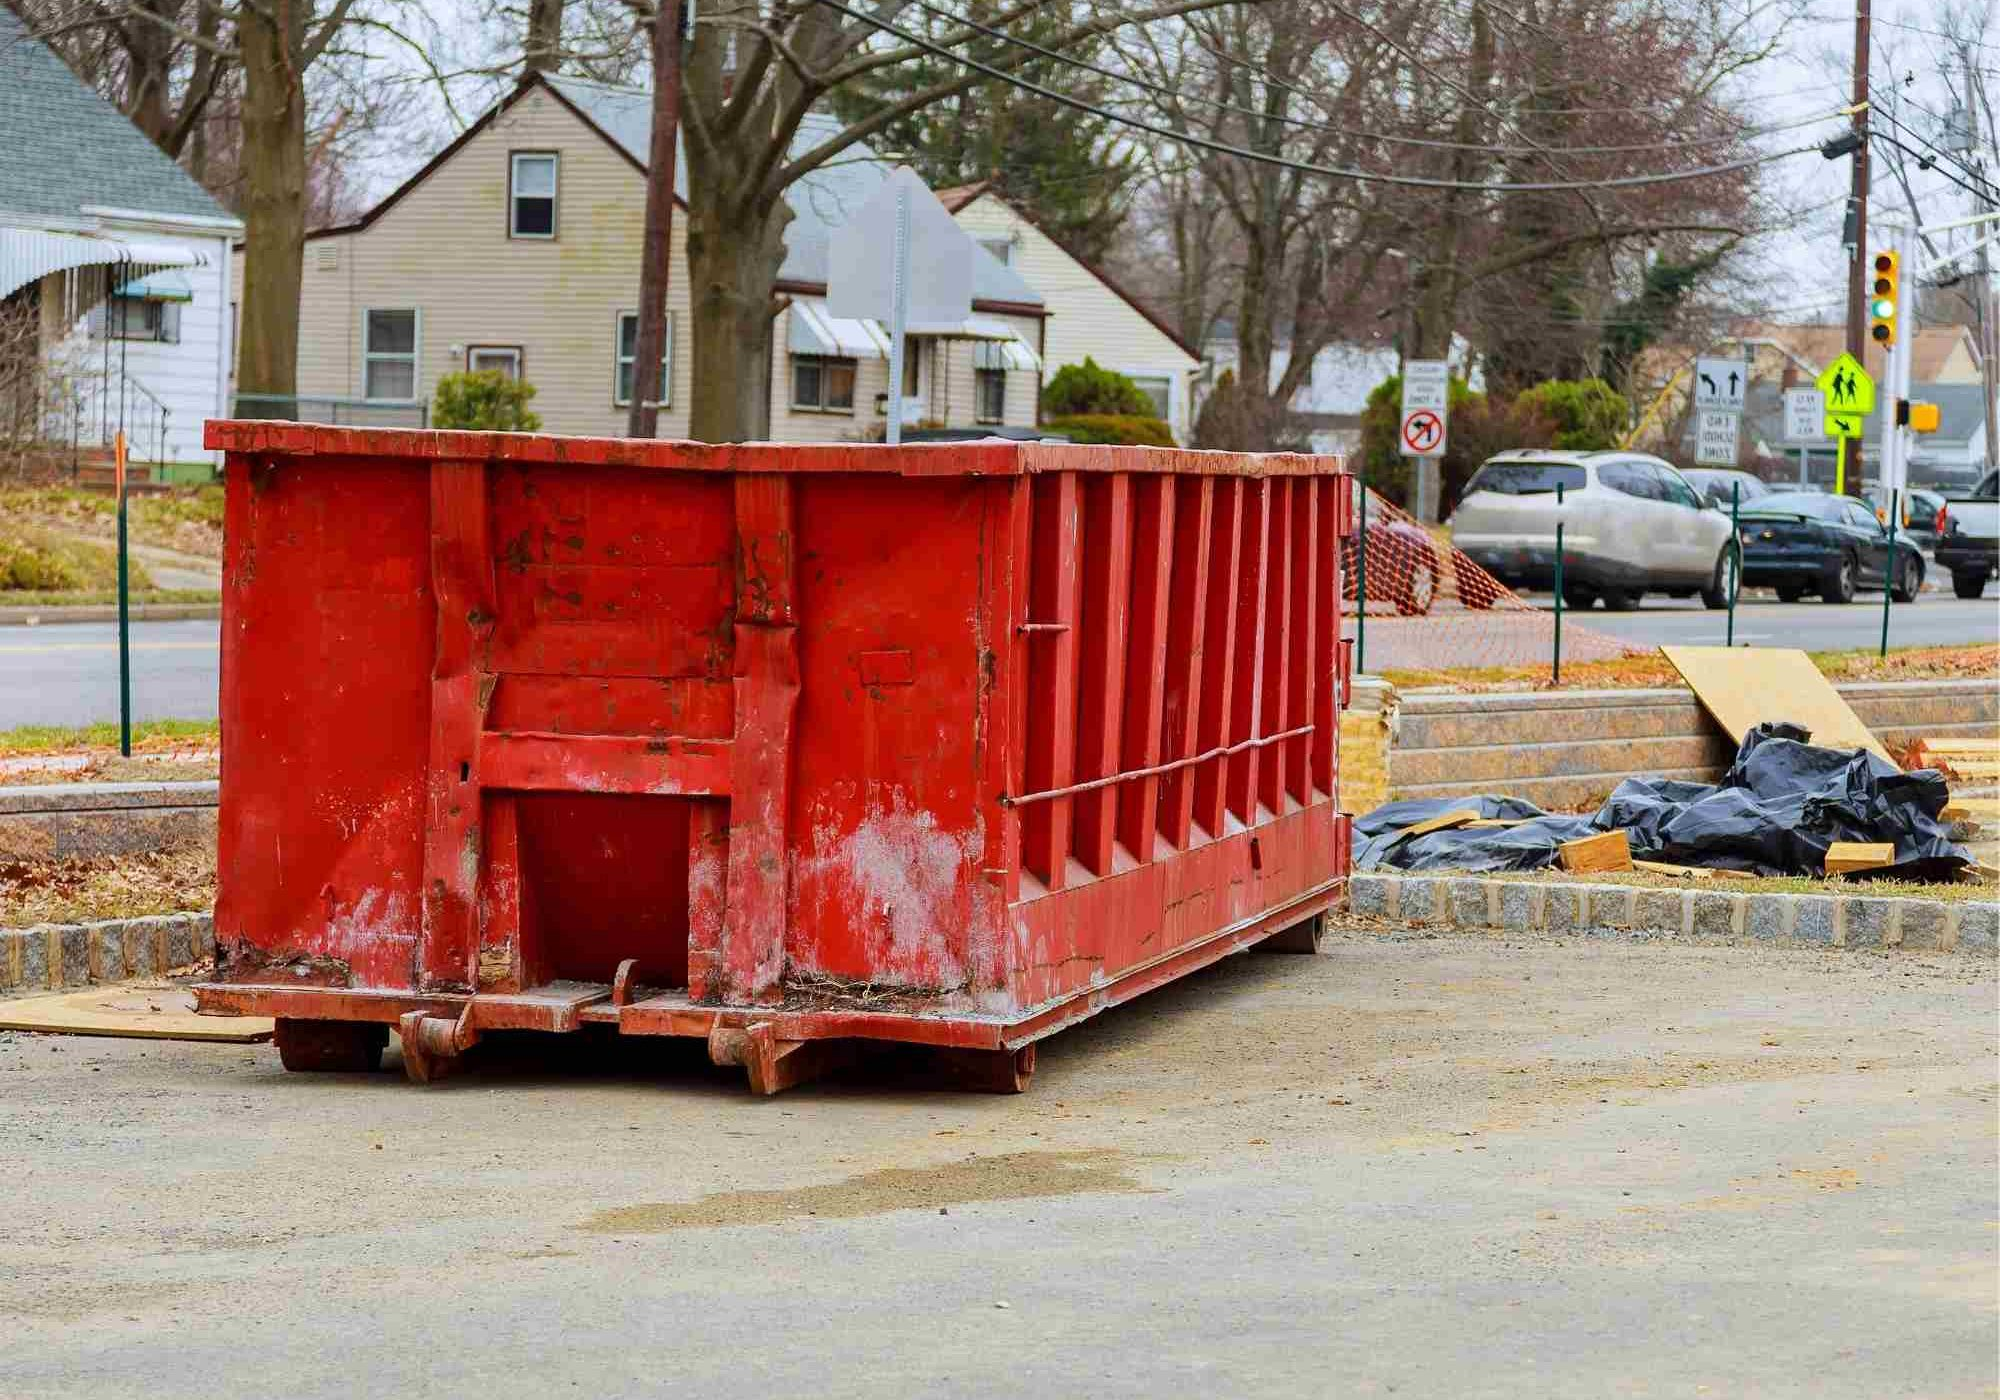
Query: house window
point(628, 349)
point(822, 384)
point(504, 358)
point(989, 393)
point(1002, 249)
point(139, 318)
point(1159, 389)
point(389, 354)
point(532, 196)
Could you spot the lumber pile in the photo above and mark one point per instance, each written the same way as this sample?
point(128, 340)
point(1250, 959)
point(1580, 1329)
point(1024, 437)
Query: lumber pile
point(1973, 762)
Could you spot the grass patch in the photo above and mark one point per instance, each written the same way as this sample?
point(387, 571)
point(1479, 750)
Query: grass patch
point(36, 559)
point(114, 887)
point(105, 597)
point(1751, 884)
point(148, 736)
point(1977, 661)
point(187, 519)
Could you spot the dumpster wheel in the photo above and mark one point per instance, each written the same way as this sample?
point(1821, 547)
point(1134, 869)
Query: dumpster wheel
point(330, 1047)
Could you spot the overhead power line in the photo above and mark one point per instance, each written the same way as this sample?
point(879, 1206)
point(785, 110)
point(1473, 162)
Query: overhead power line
point(1311, 167)
point(1429, 143)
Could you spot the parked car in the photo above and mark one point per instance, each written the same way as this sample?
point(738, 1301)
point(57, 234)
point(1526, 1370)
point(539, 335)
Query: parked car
point(1631, 525)
point(1919, 510)
point(1713, 485)
point(1801, 542)
point(1968, 537)
point(1403, 566)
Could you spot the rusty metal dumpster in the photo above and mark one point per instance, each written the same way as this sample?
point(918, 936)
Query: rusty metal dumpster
point(780, 746)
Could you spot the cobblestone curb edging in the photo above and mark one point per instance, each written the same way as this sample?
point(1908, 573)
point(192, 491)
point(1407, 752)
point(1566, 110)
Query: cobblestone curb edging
point(1715, 915)
point(109, 950)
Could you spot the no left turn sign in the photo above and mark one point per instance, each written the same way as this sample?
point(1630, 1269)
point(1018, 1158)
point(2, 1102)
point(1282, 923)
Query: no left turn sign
point(1423, 431)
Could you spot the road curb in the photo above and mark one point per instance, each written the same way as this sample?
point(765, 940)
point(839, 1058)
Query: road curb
point(108, 612)
point(52, 956)
point(1856, 920)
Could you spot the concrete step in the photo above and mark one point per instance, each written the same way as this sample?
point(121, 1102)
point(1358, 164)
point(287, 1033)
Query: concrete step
point(1507, 765)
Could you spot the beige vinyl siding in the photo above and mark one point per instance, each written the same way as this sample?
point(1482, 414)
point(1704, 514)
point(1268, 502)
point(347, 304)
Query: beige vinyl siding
point(443, 249)
point(1086, 317)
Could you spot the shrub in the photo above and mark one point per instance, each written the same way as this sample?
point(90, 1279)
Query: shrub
point(1476, 428)
point(485, 401)
point(1131, 429)
point(38, 560)
point(1588, 414)
point(1089, 388)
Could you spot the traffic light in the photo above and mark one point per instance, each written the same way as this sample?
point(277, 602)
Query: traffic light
point(1882, 300)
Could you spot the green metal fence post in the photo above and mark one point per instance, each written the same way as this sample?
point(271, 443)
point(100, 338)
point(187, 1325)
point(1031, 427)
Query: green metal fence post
point(1735, 553)
point(1556, 662)
point(1361, 582)
point(124, 613)
point(1889, 565)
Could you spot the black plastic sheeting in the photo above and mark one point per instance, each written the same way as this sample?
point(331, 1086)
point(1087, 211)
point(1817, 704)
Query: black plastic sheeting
point(1775, 812)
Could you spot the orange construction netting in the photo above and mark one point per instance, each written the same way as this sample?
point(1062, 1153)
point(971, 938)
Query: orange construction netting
point(1431, 608)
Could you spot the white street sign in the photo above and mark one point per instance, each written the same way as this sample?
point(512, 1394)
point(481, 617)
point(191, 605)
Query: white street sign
point(1715, 439)
point(1720, 383)
point(1805, 411)
point(1426, 401)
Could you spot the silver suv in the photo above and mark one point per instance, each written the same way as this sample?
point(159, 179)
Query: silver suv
point(1631, 524)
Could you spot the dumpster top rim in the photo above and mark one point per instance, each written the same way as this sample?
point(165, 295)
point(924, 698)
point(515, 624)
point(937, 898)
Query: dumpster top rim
point(990, 457)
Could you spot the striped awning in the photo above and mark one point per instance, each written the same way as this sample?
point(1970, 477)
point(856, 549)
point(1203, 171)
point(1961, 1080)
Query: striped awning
point(1011, 353)
point(814, 330)
point(30, 254)
point(167, 285)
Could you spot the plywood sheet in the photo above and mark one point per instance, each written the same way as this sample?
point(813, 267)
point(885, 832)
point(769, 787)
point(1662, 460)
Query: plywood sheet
point(1743, 687)
point(143, 1012)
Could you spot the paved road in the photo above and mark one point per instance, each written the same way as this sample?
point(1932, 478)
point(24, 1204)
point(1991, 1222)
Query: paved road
point(1932, 620)
point(1433, 1167)
point(68, 673)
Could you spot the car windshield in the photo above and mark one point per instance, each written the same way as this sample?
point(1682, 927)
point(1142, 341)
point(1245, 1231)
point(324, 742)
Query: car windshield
point(1527, 478)
point(1811, 503)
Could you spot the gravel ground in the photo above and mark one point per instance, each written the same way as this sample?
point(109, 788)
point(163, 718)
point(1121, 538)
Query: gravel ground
point(1422, 1166)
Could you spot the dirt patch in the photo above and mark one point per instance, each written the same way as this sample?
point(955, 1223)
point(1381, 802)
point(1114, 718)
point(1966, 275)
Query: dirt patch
point(1007, 1176)
point(113, 887)
point(188, 520)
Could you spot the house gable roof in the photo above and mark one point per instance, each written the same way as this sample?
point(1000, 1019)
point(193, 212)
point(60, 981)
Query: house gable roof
point(821, 200)
point(63, 148)
point(959, 197)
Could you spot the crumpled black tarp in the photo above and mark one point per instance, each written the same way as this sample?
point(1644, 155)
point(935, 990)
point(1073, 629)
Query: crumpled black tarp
point(1775, 812)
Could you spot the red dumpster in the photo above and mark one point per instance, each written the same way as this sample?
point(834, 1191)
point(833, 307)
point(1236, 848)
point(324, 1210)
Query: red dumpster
point(780, 746)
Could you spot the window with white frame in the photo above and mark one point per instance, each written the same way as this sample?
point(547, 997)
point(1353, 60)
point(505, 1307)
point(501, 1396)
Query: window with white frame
point(989, 395)
point(532, 195)
point(823, 383)
point(137, 318)
point(389, 354)
point(506, 359)
point(1159, 389)
point(628, 350)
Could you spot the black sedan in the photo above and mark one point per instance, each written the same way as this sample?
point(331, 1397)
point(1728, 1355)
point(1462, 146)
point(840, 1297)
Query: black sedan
point(1801, 542)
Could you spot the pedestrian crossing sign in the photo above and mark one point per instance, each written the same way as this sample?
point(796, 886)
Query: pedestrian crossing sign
point(1850, 394)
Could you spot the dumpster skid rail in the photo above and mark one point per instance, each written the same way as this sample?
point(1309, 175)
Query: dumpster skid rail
point(789, 748)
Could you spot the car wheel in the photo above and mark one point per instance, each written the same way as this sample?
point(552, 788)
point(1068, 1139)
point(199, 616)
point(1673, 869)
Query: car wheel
point(1909, 581)
point(1790, 592)
point(1967, 584)
point(1419, 590)
point(1579, 597)
point(1620, 599)
point(1722, 582)
point(1840, 581)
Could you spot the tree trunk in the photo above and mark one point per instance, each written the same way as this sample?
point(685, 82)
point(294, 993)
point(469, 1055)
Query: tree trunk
point(149, 56)
point(543, 51)
point(274, 199)
point(733, 259)
point(1439, 280)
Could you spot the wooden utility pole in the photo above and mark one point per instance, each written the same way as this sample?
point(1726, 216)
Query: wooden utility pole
point(1857, 199)
point(656, 262)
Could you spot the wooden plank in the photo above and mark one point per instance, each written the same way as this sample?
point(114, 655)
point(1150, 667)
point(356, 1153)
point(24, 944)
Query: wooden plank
point(1489, 822)
point(1971, 747)
point(1444, 821)
point(1746, 686)
point(1984, 810)
point(1611, 850)
point(1679, 872)
point(1847, 857)
point(143, 1012)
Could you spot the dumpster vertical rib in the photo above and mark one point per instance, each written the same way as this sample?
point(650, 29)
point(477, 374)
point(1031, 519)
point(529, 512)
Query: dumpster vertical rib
point(1275, 706)
point(1218, 661)
point(1146, 665)
point(1187, 616)
point(767, 690)
point(1107, 593)
point(501, 950)
point(1007, 735)
point(708, 864)
point(1306, 620)
point(1331, 511)
point(1247, 666)
point(1052, 674)
point(462, 584)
